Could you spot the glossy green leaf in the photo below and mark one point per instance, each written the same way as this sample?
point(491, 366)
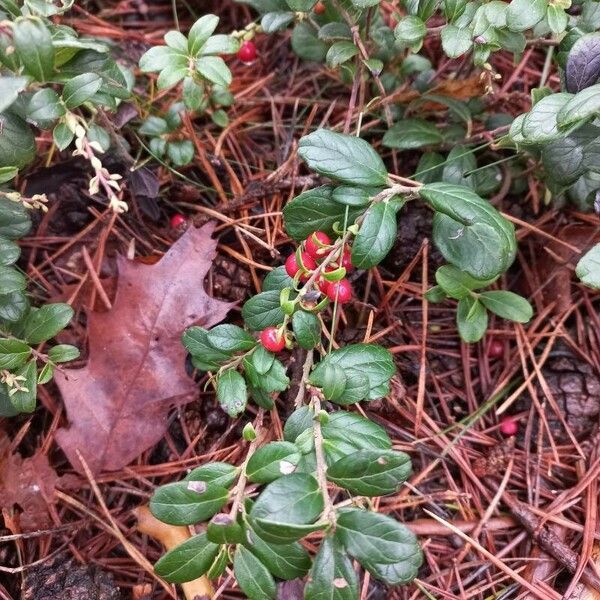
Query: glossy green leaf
point(187, 502)
point(307, 329)
point(410, 31)
point(342, 157)
point(285, 561)
point(200, 32)
point(272, 461)
point(188, 560)
point(457, 284)
point(11, 88)
point(263, 310)
point(232, 393)
point(409, 134)
point(588, 268)
point(33, 43)
point(230, 338)
point(218, 473)
point(23, 399)
point(17, 145)
point(316, 210)
point(214, 69)
point(540, 123)
point(584, 105)
point(63, 353)
point(252, 576)
point(371, 472)
point(369, 361)
point(292, 499)
point(13, 353)
point(80, 89)
point(524, 14)
point(223, 529)
point(376, 235)
point(9, 252)
point(471, 319)
point(375, 538)
point(339, 53)
point(507, 305)
point(11, 280)
point(45, 322)
point(332, 576)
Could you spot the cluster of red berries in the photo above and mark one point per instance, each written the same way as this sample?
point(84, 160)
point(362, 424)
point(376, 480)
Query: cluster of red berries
point(316, 247)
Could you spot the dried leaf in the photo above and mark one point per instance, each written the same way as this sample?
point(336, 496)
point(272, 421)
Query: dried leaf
point(118, 404)
point(28, 483)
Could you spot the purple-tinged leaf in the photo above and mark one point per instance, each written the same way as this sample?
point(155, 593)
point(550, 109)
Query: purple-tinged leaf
point(583, 63)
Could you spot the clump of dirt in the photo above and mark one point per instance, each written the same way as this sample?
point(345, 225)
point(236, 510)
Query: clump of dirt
point(62, 579)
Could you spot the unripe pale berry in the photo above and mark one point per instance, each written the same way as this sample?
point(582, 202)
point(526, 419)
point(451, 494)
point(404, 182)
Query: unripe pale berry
point(292, 267)
point(339, 290)
point(177, 221)
point(272, 340)
point(247, 52)
point(509, 426)
point(314, 248)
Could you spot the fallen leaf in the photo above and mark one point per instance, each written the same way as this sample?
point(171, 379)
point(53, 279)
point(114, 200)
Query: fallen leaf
point(118, 404)
point(28, 483)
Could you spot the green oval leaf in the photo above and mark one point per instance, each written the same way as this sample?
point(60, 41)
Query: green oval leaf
point(188, 561)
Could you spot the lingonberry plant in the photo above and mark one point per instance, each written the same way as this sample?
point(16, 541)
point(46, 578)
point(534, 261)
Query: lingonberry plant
point(194, 64)
point(320, 476)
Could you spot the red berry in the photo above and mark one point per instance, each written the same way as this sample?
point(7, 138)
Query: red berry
point(346, 261)
point(177, 221)
point(509, 426)
point(272, 339)
point(292, 267)
point(339, 290)
point(495, 349)
point(315, 249)
point(247, 52)
point(319, 8)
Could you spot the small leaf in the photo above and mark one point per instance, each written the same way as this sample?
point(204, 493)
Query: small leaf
point(507, 305)
point(252, 576)
point(45, 322)
point(218, 473)
point(45, 105)
point(291, 499)
point(33, 43)
point(276, 21)
point(584, 105)
point(285, 561)
point(343, 157)
point(524, 14)
point(332, 576)
point(316, 210)
point(339, 53)
point(376, 235)
point(540, 123)
point(13, 353)
point(187, 502)
point(409, 134)
point(214, 69)
point(371, 472)
point(263, 310)
point(11, 280)
point(188, 561)
point(230, 338)
point(231, 392)
point(11, 88)
point(307, 329)
point(201, 30)
point(588, 268)
point(457, 284)
point(9, 252)
point(471, 319)
point(410, 31)
point(272, 461)
point(81, 88)
point(23, 400)
point(374, 538)
point(370, 361)
point(63, 353)
point(583, 63)
point(456, 41)
point(222, 529)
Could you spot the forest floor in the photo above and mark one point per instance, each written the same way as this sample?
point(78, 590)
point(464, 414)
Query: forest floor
point(501, 493)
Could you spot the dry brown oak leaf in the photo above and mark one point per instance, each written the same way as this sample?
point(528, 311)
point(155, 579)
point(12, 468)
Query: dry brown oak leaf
point(28, 483)
point(118, 404)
